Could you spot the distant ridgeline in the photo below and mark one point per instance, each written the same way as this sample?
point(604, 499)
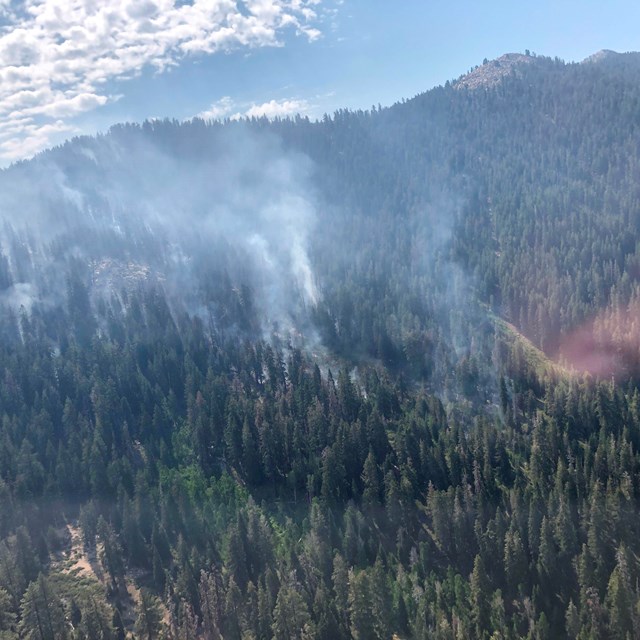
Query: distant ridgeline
point(368, 377)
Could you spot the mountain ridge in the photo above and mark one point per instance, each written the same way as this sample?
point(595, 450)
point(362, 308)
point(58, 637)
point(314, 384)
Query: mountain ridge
point(290, 379)
point(491, 72)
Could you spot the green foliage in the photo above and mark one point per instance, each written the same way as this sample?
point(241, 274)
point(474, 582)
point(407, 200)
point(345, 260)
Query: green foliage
point(458, 483)
point(149, 616)
point(42, 613)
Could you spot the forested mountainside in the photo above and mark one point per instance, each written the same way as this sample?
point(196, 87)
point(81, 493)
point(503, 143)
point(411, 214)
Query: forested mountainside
point(369, 377)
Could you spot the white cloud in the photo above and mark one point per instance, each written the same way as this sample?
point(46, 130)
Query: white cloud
point(219, 109)
point(277, 108)
point(57, 56)
point(28, 139)
point(227, 108)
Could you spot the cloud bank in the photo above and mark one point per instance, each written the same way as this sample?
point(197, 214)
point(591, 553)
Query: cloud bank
point(59, 58)
point(226, 107)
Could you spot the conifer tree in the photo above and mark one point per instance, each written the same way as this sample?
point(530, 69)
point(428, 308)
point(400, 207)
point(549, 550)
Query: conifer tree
point(148, 623)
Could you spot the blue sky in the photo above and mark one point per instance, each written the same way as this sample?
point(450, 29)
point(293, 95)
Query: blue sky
point(77, 66)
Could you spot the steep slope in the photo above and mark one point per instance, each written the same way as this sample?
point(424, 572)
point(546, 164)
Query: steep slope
point(524, 193)
point(551, 214)
point(492, 72)
point(283, 373)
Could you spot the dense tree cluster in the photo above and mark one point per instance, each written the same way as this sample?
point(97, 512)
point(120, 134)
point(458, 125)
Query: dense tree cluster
point(420, 469)
point(258, 498)
point(533, 182)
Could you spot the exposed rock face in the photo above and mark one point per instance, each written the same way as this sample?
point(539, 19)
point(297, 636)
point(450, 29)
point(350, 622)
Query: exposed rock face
point(613, 60)
point(110, 275)
point(604, 55)
point(491, 73)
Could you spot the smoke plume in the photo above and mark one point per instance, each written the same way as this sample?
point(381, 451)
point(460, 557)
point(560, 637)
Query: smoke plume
point(136, 205)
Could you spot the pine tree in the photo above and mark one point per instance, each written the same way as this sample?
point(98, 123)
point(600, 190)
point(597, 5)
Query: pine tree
point(515, 562)
point(11, 576)
point(480, 594)
point(149, 616)
point(7, 615)
point(95, 620)
point(340, 581)
point(290, 615)
point(187, 628)
point(620, 600)
point(211, 603)
point(111, 556)
point(381, 603)
point(232, 611)
point(371, 481)
point(572, 621)
point(42, 613)
point(360, 613)
point(265, 613)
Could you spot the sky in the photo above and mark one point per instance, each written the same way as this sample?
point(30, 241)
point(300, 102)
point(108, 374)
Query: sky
point(72, 67)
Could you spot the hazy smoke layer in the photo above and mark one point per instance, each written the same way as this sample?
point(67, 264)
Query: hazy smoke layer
point(136, 205)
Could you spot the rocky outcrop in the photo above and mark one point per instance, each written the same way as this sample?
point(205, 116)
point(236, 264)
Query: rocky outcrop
point(493, 71)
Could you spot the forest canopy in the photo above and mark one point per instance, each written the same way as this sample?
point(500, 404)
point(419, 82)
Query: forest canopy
point(372, 376)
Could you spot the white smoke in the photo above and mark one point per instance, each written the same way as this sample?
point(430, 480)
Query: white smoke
point(132, 195)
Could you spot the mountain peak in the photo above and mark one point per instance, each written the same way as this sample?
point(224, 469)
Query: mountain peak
point(491, 72)
point(602, 55)
point(629, 59)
